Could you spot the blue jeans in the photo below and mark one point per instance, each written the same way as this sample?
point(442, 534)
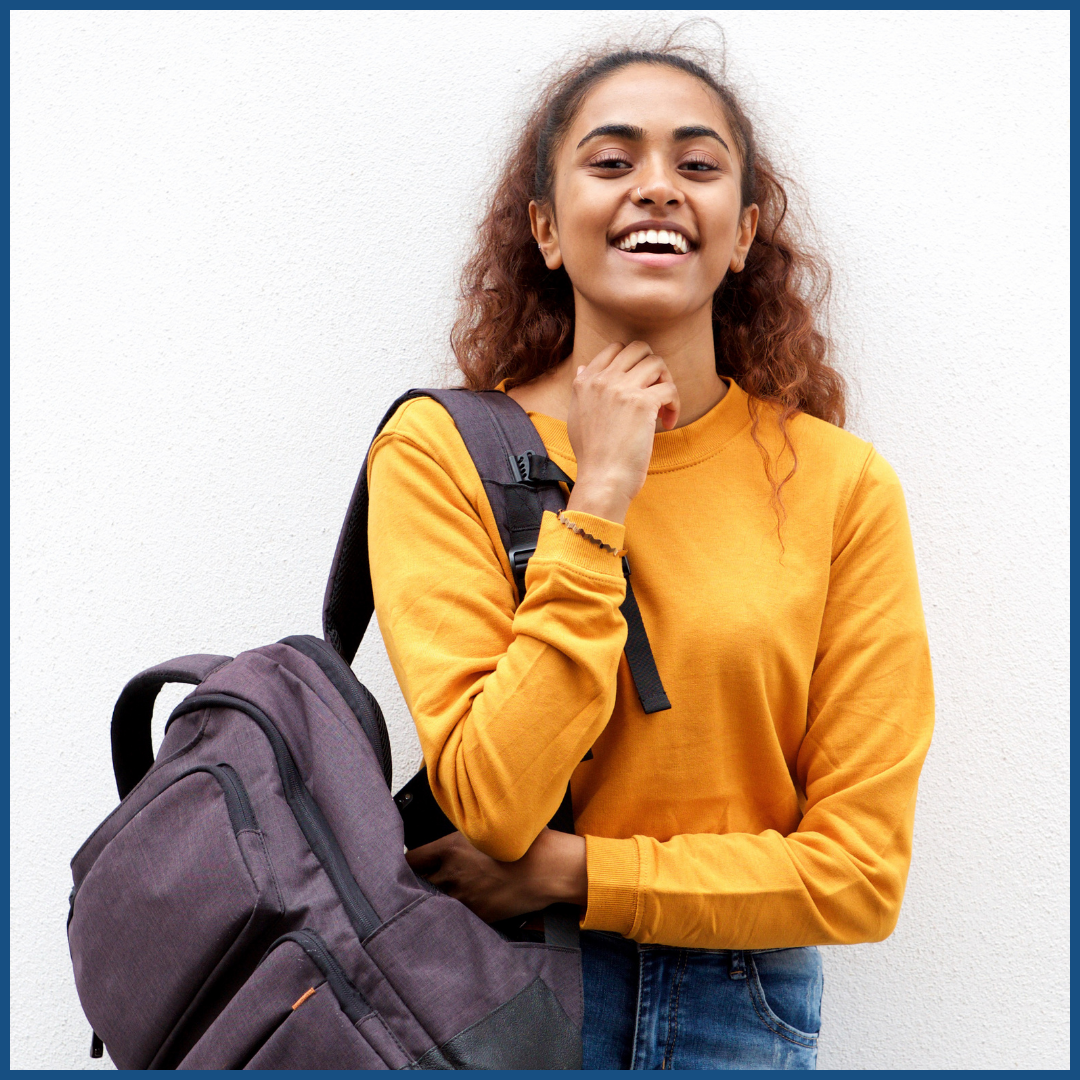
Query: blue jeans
point(654, 1007)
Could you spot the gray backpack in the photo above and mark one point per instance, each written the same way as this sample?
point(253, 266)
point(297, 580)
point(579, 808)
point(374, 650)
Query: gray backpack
point(248, 904)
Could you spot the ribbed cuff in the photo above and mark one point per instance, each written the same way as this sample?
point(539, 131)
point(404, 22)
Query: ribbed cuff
point(614, 869)
point(559, 543)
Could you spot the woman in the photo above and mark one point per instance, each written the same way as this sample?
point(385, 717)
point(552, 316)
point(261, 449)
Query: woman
point(636, 289)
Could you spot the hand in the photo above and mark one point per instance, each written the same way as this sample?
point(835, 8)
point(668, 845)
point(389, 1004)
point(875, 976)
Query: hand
point(552, 870)
point(615, 404)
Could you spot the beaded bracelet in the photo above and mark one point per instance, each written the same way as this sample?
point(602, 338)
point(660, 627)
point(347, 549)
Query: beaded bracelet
point(588, 536)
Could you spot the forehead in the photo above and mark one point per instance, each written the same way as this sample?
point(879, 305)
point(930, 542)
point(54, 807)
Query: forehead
point(655, 97)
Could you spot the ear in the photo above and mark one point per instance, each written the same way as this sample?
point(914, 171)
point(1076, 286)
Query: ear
point(744, 238)
point(545, 233)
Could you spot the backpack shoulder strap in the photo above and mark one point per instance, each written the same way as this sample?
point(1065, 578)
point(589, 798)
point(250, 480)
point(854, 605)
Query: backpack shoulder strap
point(348, 603)
point(496, 432)
point(520, 481)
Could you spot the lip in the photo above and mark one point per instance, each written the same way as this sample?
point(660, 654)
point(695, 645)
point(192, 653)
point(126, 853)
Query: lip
point(652, 258)
point(653, 223)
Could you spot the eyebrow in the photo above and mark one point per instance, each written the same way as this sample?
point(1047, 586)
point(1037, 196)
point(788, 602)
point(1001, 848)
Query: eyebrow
point(697, 131)
point(635, 134)
point(620, 131)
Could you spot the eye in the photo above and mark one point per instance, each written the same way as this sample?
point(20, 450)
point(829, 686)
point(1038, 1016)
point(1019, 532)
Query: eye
point(700, 163)
point(611, 161)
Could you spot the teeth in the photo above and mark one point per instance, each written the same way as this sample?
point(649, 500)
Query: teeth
point(654, 236)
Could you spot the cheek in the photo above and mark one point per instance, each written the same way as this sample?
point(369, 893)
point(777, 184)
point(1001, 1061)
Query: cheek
point(582, 216)
point(584, 258)
point(721, 245)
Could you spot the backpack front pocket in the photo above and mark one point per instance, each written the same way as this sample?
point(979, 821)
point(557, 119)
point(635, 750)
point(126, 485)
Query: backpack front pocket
point(183, 885)
point(299, 1010)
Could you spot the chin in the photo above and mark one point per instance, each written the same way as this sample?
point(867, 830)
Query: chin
point(652, 308)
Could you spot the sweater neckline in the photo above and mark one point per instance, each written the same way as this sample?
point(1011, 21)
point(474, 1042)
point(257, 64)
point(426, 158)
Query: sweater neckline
point(677, 449)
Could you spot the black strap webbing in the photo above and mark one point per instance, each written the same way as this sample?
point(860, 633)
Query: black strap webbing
point(639, 654)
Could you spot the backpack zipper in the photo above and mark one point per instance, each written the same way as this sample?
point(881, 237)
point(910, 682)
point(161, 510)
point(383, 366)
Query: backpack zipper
point(357, 697)
point(353, 1003)
point(237, 802)
point(305, 809)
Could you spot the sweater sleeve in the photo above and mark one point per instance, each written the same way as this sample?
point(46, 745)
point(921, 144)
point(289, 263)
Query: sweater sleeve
point(839, 878)
point(506, 703)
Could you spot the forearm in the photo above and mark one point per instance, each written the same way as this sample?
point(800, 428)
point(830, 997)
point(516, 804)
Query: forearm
point(744, 891)
point(839, 878)
point(501, 755)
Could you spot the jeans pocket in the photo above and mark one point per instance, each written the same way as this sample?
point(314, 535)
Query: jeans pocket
point(785, 987)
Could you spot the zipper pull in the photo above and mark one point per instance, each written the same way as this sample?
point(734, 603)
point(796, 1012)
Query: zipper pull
point(96, 1045)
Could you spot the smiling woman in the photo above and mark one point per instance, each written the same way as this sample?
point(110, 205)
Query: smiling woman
point(636, 288)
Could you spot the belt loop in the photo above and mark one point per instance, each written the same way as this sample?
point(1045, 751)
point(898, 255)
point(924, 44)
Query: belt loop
point(738, 964)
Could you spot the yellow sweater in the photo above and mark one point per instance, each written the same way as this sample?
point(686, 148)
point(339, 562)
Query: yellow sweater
point(772, 805)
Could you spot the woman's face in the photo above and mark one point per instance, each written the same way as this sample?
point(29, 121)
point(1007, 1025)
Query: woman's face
point(651, 152)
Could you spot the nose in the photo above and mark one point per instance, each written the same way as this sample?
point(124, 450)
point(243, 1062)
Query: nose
point(657, 189)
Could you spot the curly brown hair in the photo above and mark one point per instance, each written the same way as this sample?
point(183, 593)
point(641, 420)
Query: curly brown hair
point(516, 318)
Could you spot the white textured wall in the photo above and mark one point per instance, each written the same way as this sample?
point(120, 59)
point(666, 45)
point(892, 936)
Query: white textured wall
point(235, 240)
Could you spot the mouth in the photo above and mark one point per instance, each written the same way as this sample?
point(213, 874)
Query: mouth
point(654, 241)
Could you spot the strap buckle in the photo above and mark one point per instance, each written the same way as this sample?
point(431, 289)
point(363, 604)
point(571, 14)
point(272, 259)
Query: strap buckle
point(519, 558)
point(536, 470)
point(523, 469)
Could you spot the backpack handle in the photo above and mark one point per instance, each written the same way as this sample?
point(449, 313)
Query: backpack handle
point(132, 749)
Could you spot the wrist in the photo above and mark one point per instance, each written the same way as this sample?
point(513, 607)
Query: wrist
point(600, 500)
point(559, 868)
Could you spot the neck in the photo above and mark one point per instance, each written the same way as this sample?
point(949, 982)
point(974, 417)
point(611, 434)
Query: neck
point(686, 347)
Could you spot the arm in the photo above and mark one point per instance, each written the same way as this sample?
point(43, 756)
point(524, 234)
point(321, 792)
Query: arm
point(506, 702)
point(839, 878)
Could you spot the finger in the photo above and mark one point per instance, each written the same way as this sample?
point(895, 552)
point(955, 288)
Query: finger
point(430, 855)
point(441, 878)
point(633, 354)
point(648, 371)
point(665, 395)
point(603, 358)
point(422, 861)
point(662, 393)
